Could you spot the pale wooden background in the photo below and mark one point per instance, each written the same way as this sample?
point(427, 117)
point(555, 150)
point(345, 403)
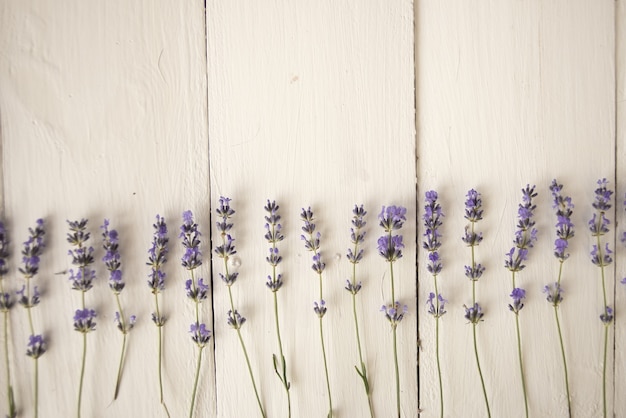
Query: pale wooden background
point(127, 109)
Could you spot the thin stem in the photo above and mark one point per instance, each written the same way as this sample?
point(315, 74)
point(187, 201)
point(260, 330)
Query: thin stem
point(330, 399)
point(10, 399)
point(395, 344)
point(36, 387)
point(243, 345)
point(606, 339)
point(558, 327)
point(124, 333)
point(521, 364)
point(480, 372)
point(606, 328)
point(437, 347)
point(280, 348)
point(195, 382)
point(82, 375)
point(159, 359)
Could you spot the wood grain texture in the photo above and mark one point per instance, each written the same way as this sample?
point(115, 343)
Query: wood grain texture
point(510, 93)
point(312, 104)
point(103, 114)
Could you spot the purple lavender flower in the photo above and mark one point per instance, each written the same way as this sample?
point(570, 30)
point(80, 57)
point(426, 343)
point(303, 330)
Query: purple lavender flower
point(111, 259)
point(225, 212)
point(158, 256)
point(434, 265)
point(392, 217)
point(601, 258)
point(25, 300)
point(474, 314)
point(554, 293)
point(273, 236)
point(357, 235)
point(474, 273)
point(200, 334)
point(197, 293)
point(312, 242)
point(607, 316)
point(517, 295)
point(33, 248)
point(473, 206)
point(192, 258)
point(394, 313)
point(235, 320)
point(432, 222)
point(124, 327)
point(84, 320)
point(82, 256)
point(436, 307)
point(526, 234)
point(36, 346)
point(390, 247)
point(320, 308)
point(564, 225)
point(4, 250)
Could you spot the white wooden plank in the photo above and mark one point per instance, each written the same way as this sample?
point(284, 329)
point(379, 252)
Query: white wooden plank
point(312, 104)
point(103, 114)
point(510, 93)
point(620, 266)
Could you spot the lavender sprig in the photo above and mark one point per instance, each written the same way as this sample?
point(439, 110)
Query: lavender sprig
point(433, 220)
point(6, 303)
point(82, 280)
point(392, 218)
point(156, 260)
point(111, 260)
point(554, 292)
point(525, 237)
point(224, 251)
point(599, 226)
point(31, 257)
point(474, 314)
point(355, 255)
point(195, 289)
point(274, 235)
point(312, 243)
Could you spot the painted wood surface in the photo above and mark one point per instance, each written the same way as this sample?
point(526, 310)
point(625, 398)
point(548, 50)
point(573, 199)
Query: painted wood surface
point(125, 110)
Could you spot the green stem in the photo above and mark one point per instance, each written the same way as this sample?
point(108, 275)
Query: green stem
point(243, 345)
point(32, 332)
point(437, 347)
point(36, 387)
point(10, 398)
point(284, 380)
point(195, 383)
point(480, 373)
point(606, 340)
point(330, 399)
point(159, 359)
point(606, 328)
point(124, 332)
point(82, 375)
point(395, 345)
point(558, 327)
point(521, 364)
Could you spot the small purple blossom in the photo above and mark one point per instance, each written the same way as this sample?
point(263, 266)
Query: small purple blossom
point(564, 225)
point(111, 259)
point(603, 196)
point(235, 320)
point(353, 288)
point(36, 346)
point(4, 250)
point(436, 307)
point(225, 212)
point(227, 248)
point(124, 326)
point(433, 220)
point(84, 320)
point(24, 300)
point(554, 293)
point(473, 206)
point(6, 302)
point(601, 258)
point(526, 234)
point(390, 247)
point(158, 256)
point(33, 248)
point(82, 256)
point(197, 292)
point(607, 316)
point(392, 217)
point(357, 235)
point(200, 334)
point(394, 313)
point(312, 242)
point(192, 258)
point(517, 295)
point(272, 225)
point(474, 314)
point(320, 308)
point(474, 273)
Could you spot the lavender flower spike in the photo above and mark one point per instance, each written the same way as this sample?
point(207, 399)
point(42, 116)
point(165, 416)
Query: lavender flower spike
point(31, 257)
point(6, 303)
point(157, 257)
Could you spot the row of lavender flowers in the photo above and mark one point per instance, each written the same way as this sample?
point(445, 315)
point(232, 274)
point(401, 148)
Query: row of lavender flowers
point(390, 246)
